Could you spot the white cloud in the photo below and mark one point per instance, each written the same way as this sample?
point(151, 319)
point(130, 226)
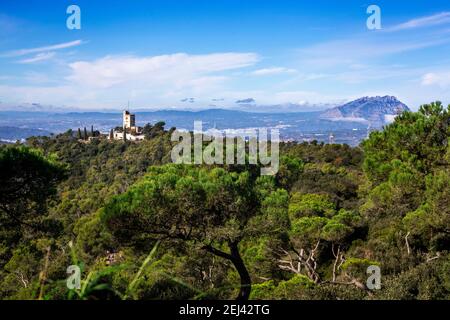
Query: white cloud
point(272, 71)
point(37, 58)
point(429, 79)
point(179, 70)
point(59, 46)
point(441, 79)
point(433, 20)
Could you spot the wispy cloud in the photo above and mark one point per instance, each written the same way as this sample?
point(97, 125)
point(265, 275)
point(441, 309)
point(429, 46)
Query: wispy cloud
point(161, 81)
point(22, 52)
point(272, 71)
point(366, 47)
point(355, 50)
point(38, 58)
point(433, 20)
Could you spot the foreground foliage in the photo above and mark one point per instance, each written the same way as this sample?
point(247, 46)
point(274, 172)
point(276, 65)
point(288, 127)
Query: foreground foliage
point(142, 228)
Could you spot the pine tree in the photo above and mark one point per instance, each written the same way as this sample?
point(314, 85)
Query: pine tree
point(111, 134)
point(92, 131)
point(124, 134)
point(85, 134)
point(79, 133)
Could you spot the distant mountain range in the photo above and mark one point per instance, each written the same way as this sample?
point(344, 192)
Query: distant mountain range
point(376, 111)
point(349, 122)
point(364, 109)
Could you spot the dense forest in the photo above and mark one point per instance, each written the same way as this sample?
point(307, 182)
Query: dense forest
point(140, 227)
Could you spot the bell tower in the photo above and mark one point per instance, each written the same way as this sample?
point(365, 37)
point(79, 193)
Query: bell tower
point(128, 119)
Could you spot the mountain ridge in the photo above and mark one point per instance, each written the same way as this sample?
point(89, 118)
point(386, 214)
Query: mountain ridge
point(377, 111)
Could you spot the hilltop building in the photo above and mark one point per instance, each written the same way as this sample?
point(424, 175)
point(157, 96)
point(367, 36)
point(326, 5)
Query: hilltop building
point(331, 138)
point(129, 128)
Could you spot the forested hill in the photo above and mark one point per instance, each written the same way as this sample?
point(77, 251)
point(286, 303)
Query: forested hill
point(140, 227)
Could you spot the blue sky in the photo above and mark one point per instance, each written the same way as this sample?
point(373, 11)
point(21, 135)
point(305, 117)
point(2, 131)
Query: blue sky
point(203, 54)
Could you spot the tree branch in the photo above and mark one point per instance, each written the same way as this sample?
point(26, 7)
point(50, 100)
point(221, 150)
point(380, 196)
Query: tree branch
point(217, 252)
